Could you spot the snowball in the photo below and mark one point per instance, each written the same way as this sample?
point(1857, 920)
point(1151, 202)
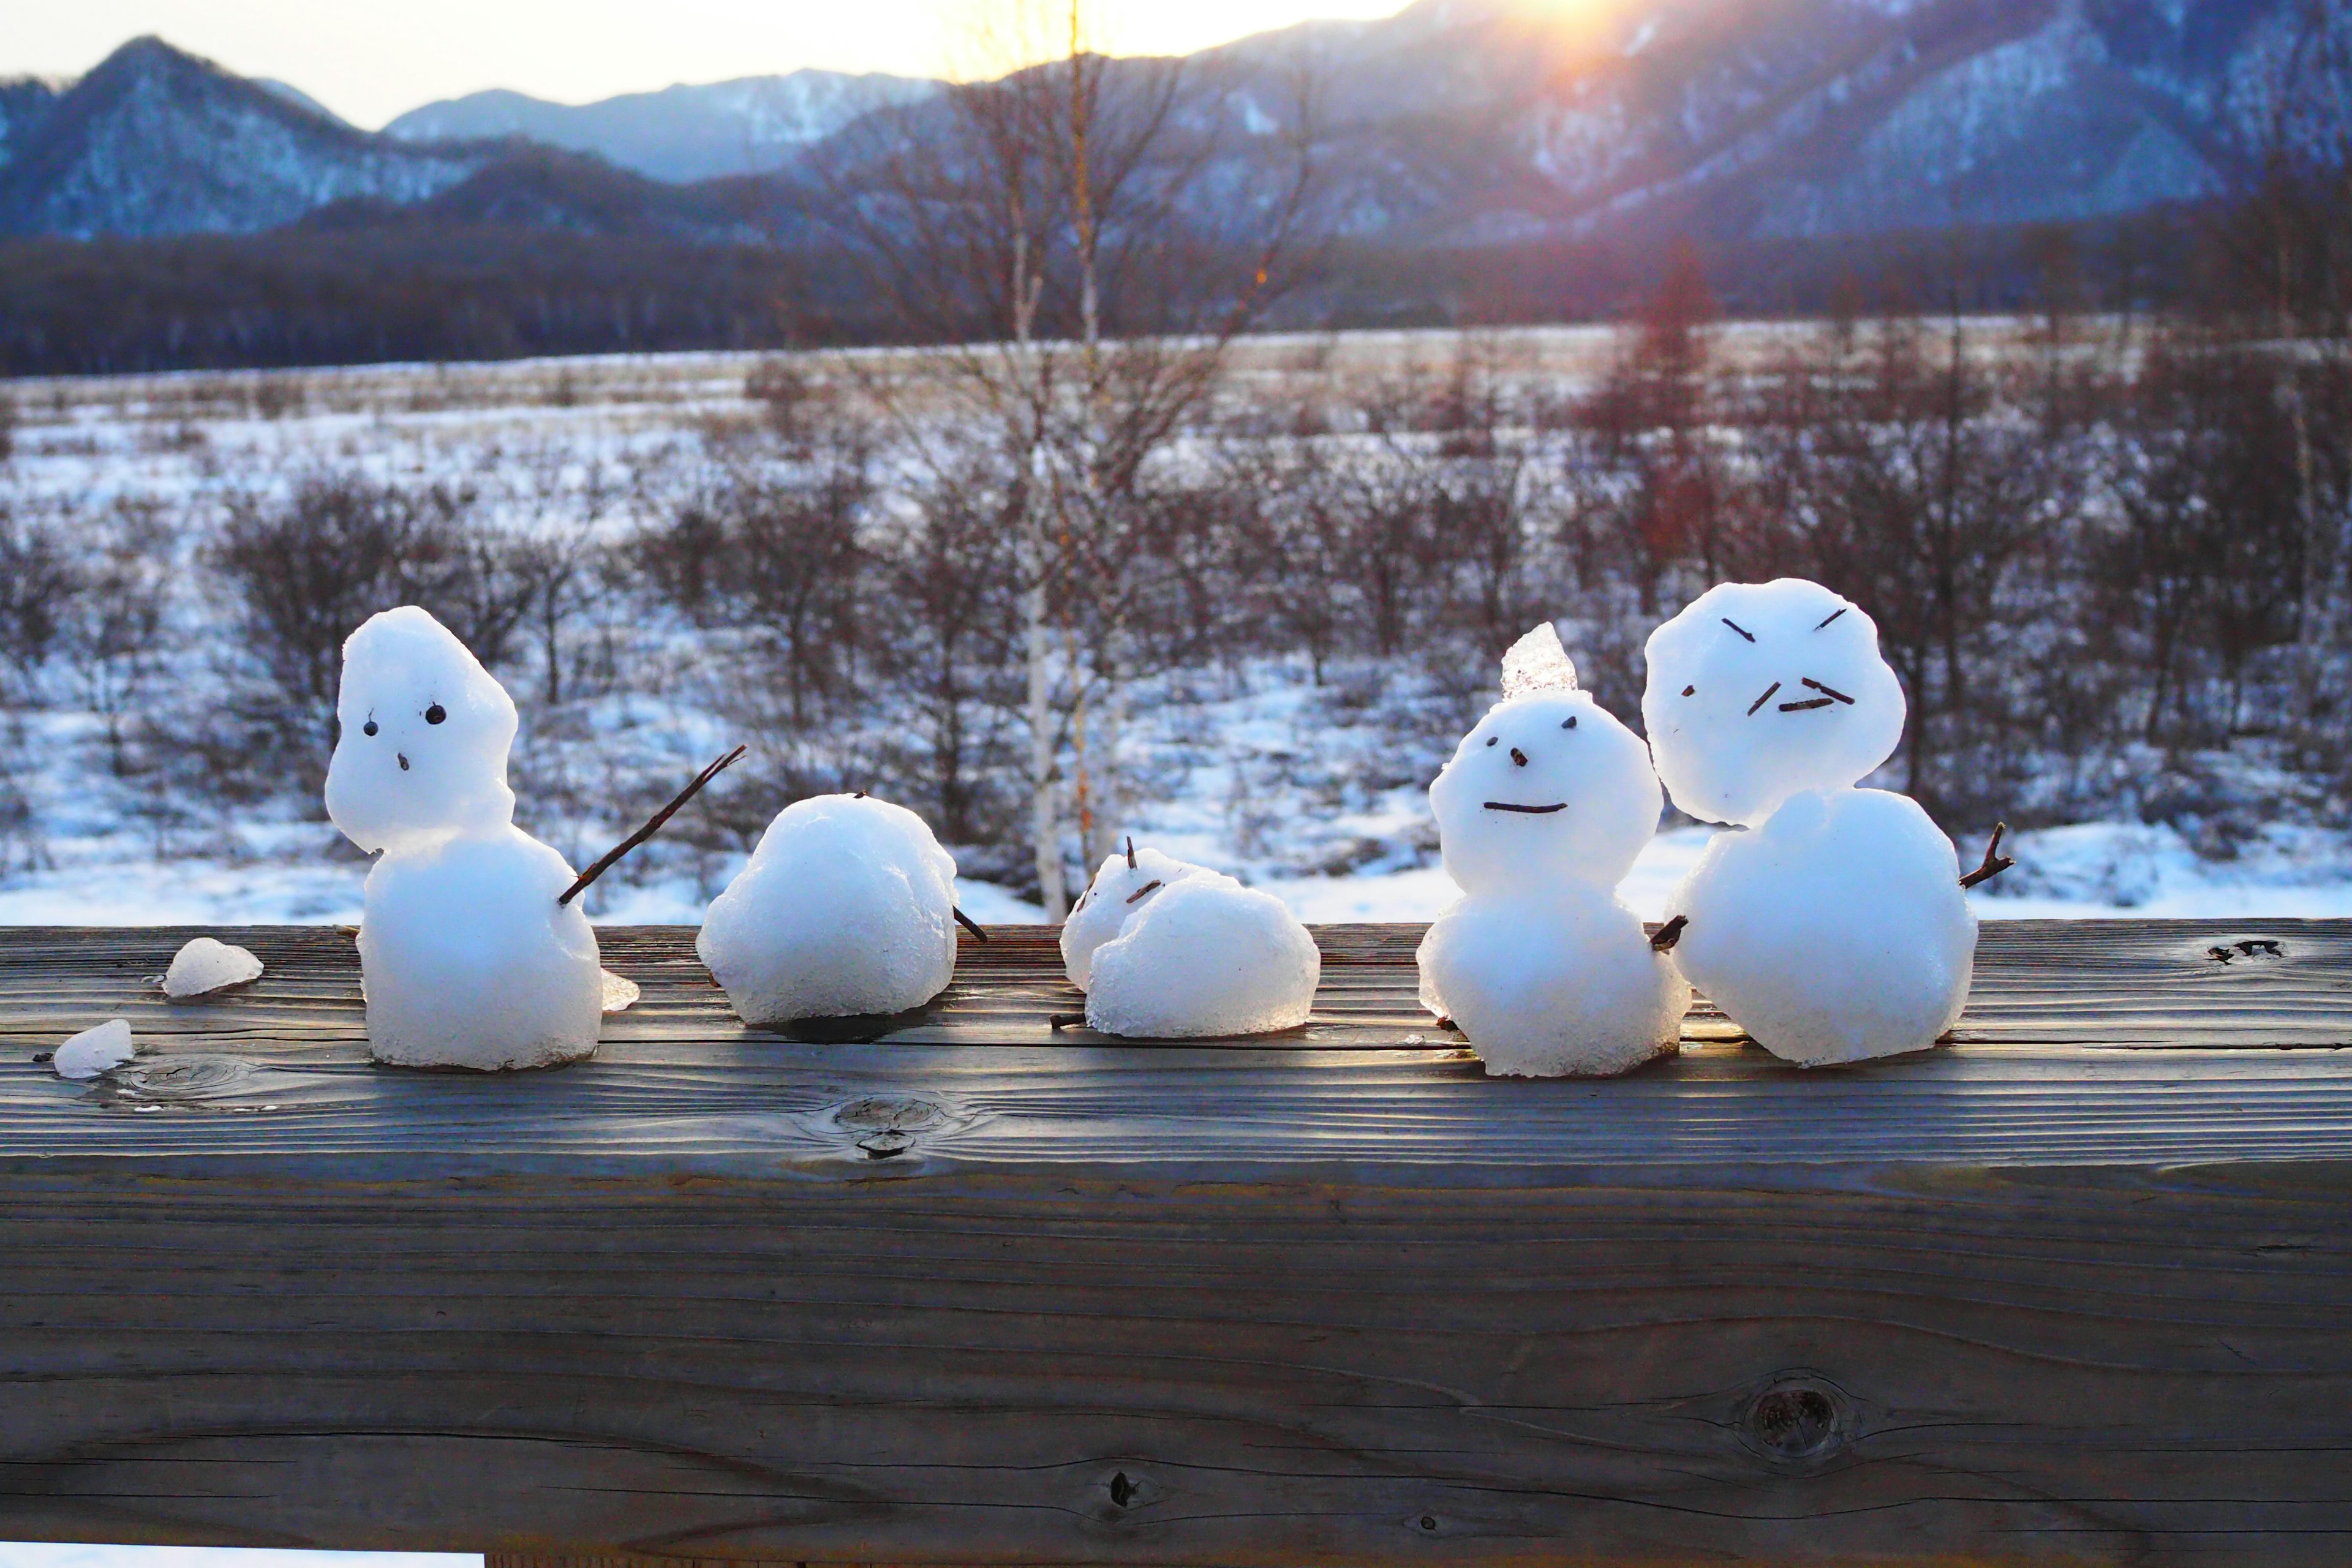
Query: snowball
point(470, 962)
point(1549, 787)
point(1835, 933)
point(1553, 983)
point(205, 966)
point(1537, 663)
point(1759, 690)
point(1118, 893)
point(424, 734)
point(848, 907)
point(1206, 957)
point(94, 1051)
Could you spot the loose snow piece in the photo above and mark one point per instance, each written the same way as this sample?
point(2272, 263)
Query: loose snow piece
point(466, 959)
point(1127, 882)
point(848, 907)
point(1759, 690)
point(94, 1051)
point(1204, 956)
point(1540, 814)
point(620, 993)
point(1834, 929)
point(1536, 663)
point(206, 965)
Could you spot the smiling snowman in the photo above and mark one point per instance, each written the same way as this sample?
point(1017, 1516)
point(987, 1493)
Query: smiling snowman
point(1833, 929)
point(467, 958)
point(1540, 816)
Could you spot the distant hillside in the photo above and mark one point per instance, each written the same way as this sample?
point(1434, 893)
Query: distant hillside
point(156, 142)
point(682, 133)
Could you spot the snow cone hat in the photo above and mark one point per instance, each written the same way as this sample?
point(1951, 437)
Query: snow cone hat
point(1759, 691)
point(422, 757)
point(1548, 788)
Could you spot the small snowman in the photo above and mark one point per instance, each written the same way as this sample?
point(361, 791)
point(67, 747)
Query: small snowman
point(468, 957)
point(1540, 816)
point(847, 909)
point(1166, 949)
point(1834, 928)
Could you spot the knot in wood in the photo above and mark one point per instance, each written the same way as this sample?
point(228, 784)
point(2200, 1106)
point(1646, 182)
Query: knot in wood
point(1797, 1419)
point(180, 1077)
point(884, 1128)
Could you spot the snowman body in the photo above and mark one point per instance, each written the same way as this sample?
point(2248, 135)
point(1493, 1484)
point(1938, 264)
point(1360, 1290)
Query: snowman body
point(1832, 926)
point(1540, 814)
point(466, 958)
point(845, 909)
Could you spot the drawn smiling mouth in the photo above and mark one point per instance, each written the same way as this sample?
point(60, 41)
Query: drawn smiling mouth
point(1529, 810)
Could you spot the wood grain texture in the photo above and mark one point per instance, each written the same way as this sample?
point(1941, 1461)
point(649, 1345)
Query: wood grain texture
point(977, 1293)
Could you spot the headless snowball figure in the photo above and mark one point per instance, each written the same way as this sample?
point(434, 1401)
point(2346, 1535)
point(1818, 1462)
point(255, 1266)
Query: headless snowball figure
point(1540, 816)
point(466, 959)
point(1834, 929)
point(847, 909)
point(1166, 949)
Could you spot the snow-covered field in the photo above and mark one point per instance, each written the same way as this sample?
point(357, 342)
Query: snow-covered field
point(1313, 793)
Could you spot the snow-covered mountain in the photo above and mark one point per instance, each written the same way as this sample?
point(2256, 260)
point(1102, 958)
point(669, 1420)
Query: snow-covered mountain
point(742, 127)
point(1453, 122)
point(157, 142)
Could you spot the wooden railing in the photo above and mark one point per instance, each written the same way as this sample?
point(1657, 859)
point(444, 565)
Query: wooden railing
point(2077, 1287)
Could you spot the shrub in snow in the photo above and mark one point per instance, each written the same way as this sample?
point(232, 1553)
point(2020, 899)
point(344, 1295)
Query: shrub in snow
point(467, 958)
point(1832, 927)
point(1540, 814)
point(848, 907)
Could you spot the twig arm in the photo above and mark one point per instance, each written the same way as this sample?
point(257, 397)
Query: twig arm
point(612, 856)
point(1995, 862)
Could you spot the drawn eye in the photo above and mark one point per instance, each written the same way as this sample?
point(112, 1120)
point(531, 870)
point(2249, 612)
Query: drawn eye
point(435, 714)
point(1689, 690)
point(1492, 739)
point(1569, 722)
point(368, 728)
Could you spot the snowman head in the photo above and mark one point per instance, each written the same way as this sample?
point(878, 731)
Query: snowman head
point(1759, 691)
point(422, 757)
point(1547, 788)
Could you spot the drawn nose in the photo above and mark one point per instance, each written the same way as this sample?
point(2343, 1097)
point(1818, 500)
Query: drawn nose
point(404, 759)
point(1518, 758)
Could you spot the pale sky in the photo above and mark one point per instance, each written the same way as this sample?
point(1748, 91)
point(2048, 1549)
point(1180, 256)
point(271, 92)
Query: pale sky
point(369, 60)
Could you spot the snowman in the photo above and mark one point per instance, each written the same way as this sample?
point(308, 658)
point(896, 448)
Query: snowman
point(468, 957)
point(1166, 949)
point(1540, 816)
point(1832, 927)
point(845, 909)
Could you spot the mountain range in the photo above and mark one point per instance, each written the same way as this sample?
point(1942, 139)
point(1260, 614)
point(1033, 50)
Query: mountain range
point(1453, 122)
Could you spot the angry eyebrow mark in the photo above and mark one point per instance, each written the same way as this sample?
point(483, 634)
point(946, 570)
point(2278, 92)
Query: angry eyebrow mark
point(1743, 631)
point(1763, 699)
point(1833, 614)
point(1831, 691)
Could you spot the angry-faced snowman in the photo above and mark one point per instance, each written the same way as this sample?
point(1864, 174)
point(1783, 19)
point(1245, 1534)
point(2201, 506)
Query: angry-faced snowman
point(1832, 928)
point(1540, 816)
point(469, 958)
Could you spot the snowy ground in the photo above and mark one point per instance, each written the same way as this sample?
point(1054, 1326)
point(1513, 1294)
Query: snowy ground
point(1316, 795)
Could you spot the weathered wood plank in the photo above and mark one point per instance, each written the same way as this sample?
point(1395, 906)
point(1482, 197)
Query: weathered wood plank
point(978, 1293)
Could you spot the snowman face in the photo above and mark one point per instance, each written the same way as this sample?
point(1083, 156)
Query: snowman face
point(423, 752)
point(1547, 788)
point(1759, 691)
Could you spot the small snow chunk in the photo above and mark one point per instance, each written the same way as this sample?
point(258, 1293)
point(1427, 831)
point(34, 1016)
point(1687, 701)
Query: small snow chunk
point(848, 907)
point(620, 993)
point(205, 966)
point(94, 1051)
point(1537, 662)
point(1122, 889)
point(1206, 956)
